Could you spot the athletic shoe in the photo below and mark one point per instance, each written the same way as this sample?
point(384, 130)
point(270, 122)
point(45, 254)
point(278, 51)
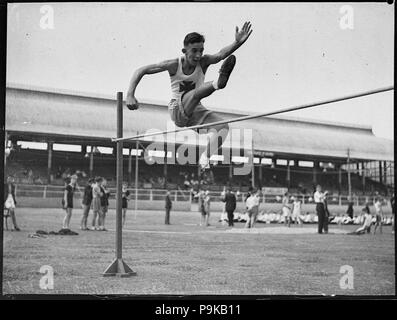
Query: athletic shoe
point(226, 70)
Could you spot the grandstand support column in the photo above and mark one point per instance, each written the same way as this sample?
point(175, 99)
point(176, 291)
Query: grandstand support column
point(260, 174)
point(363, 174)
point(315, 165)
point(49, 164)
point(230, 171)
point(165, 169)
point(339, 178)
point(253, 163)
point(380, 173)
point(349, 183)
point(288, 175)
point(118, 267)
point(92, 161)
point(385, 173)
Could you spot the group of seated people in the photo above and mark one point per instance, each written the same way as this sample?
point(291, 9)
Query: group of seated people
point(276, 217)
point(307, 218)
point(345, 219)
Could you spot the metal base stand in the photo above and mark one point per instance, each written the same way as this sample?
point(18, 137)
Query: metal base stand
point(118, 268)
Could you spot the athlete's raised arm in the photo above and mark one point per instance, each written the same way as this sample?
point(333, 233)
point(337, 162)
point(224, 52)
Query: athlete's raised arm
point(240, 37)
point(167, 65)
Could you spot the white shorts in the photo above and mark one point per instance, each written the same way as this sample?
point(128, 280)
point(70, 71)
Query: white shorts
point(286, 211)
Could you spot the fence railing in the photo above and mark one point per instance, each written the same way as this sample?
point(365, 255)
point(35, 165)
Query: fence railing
point(51, 191)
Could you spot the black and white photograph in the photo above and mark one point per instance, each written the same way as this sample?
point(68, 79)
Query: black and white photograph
point(179, 149)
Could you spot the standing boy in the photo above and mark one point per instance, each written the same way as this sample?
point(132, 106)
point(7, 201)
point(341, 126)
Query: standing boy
point(10, 200)
point(124, 200)
point(168, 206)
point(96, 202)
point(87, 200)
point(378, 214)
point(68, 201)
point(105, 193)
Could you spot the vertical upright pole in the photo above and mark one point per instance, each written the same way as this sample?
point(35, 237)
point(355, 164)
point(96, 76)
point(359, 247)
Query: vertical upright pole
point(129, 166)
point(119, 175)
point(349, 184)
point(118, 267)
point(5, 147)
point(136, 178)
point(230, 170)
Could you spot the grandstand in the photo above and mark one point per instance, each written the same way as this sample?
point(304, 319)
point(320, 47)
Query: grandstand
point(53, 133)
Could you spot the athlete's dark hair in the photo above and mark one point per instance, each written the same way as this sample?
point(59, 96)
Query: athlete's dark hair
point(193, 37)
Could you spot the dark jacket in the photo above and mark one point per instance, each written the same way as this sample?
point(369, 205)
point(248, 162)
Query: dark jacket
point(350, 210)
point(168, 202)
point(87, 199)
point(230, 200)
point(105, 197)
point(12, 192)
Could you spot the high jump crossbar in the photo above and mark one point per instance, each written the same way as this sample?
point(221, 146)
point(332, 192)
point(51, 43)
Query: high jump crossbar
point(295, 108)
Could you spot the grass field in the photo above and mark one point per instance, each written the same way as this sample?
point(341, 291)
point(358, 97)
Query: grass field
point(186, 259)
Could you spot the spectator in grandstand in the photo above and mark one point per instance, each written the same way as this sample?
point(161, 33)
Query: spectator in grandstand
point(350, 209)
point(68, 201)
point(378, 214)
point(86, 203)
point(252, 204)
point(297, 210)
point(168, 206)
point(96, 202)
point(105, 193)
point(124, 200)
point(230, 205)
point(286, 209)
point(320, 209)
point(10, 200)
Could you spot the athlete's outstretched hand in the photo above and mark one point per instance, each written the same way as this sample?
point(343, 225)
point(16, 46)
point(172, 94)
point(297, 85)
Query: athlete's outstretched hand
point(244, 33)
point(132, 103)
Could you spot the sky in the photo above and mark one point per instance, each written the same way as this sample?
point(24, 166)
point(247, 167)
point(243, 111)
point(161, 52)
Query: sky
point(298, 53)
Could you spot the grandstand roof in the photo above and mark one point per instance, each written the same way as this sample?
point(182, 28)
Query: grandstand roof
point(68, 115)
